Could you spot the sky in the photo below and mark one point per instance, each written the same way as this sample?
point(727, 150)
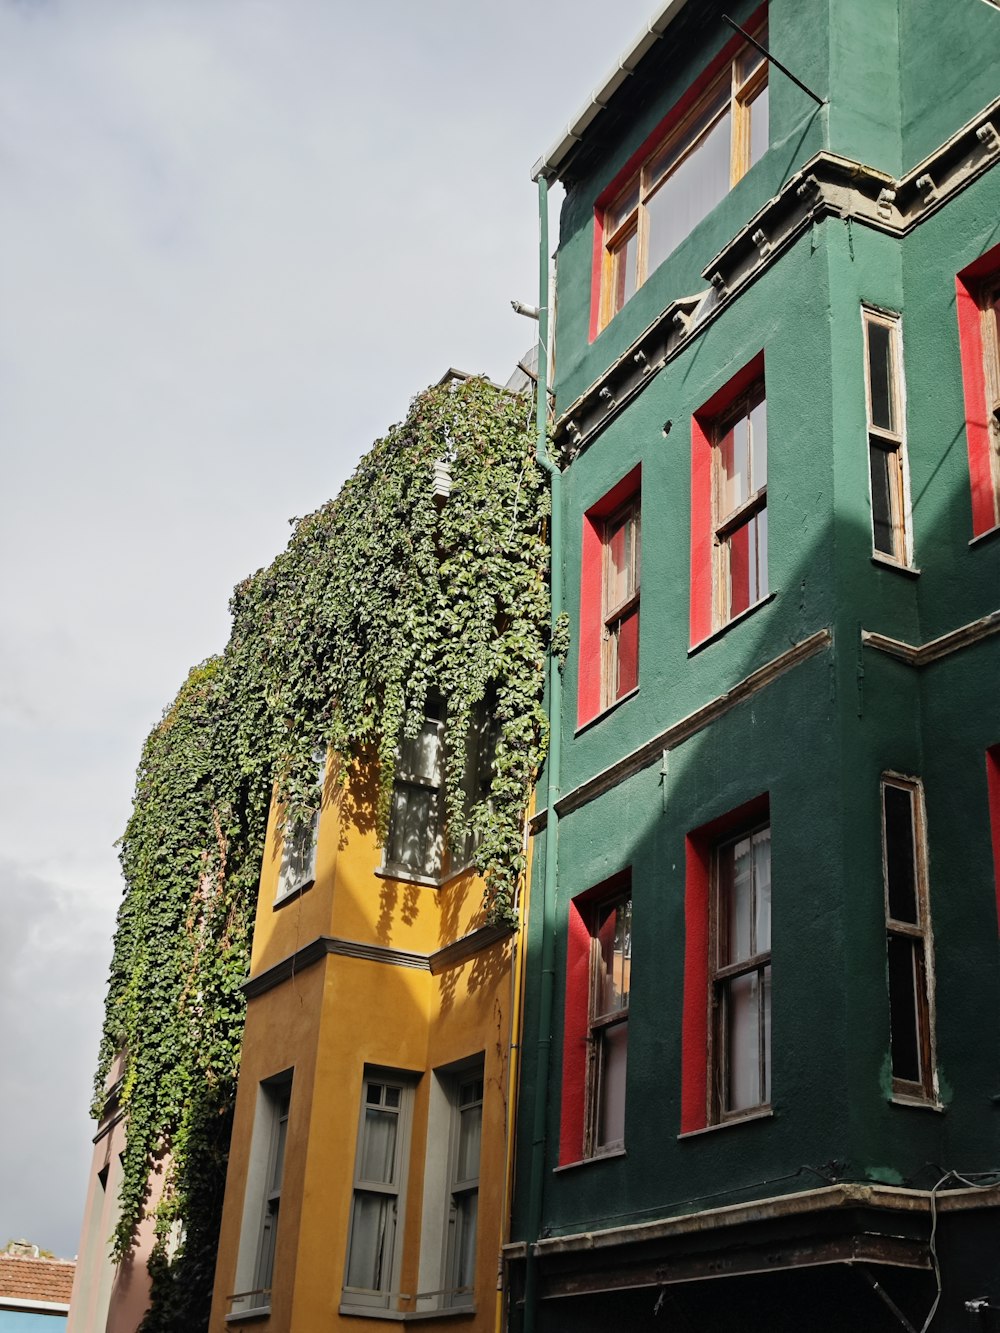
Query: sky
point(236, 237)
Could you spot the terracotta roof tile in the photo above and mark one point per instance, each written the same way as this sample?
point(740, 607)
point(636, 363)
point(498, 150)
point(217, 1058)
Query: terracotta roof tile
point(30, 1279)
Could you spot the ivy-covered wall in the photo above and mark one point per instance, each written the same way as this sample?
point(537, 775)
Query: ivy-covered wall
point(384, 596)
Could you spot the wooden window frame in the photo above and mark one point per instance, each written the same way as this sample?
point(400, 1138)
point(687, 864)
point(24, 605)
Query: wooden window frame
point(726, 525)
point(614, 615)
point(989, 314)
point(734, 89)
point(600, 1023)
point(385, 1296)
point(924, 1088)
point(889, 442)
point(720, 977)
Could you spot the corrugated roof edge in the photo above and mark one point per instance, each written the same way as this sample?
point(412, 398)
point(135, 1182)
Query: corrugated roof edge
point(555, 159)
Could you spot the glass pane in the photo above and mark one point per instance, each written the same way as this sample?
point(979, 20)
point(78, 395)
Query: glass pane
point(611, 1112)
point(393, 1095)
point(736, 900)
point(621, 559)
point(369, 1263)
point(903, 1007)
point(689, 193)
point(760, 553)
point(466, 1217)
point(759, 129)
point(624, 260)
point(758, 445)
point(378, 1152)
point(614, 938)
point(751, 58)
point(742, 1045)
point(746, 554)
point(278, 1164)
point(882, 524)
point(470, 1131)
point(420, 758)
point(765, 1034)
point(880, 375)
point(734, 467)
point(901, 877)
point(762, 889)
point(623, 206)
point(373, 1094)
point(687, 142)
point(268, 1239)
point(415, 841)
point(626, 642)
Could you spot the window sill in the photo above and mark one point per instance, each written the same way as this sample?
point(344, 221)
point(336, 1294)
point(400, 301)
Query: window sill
point(724, 629)
point(247, 1316)
point(887, 562)
point(610, 1155)
point(764, 1113)
point(292, 894)
point(404, 876)
point(610, 708)
point(406, 1316)
point(981, 538)
point(917, 1103)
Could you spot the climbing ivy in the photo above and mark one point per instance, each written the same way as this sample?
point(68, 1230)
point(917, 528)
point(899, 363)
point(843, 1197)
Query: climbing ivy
point(385, 597)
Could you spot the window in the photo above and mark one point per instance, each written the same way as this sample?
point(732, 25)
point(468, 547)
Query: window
point(298, 854)
point(463, 1209)
point(373, 1256)
point(978, 305)
point(908, 939)
point(610, 978)
point(609, 599)
point(415, 843)
point(886, 436)
point(740, 974)
point(740, 506)
point(720, 135)
point(262, 1201)
point(620, 667)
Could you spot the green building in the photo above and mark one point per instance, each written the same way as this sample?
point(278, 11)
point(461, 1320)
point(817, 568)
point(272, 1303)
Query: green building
point(760, 1082)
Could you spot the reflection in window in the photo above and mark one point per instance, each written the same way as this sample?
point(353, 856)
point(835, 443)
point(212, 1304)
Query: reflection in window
point(740, 523)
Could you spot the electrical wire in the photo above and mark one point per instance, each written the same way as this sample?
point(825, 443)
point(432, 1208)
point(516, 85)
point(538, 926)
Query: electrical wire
point(974, 1180)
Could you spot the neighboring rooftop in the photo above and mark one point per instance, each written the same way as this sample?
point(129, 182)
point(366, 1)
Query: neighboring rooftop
point(27, 1277)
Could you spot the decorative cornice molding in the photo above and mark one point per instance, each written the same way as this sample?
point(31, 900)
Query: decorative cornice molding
point(450, 955)
point(943, 646)
point(678, 732)
point(827, 186)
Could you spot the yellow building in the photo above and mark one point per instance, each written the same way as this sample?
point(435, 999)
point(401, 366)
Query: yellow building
point(369, 1156)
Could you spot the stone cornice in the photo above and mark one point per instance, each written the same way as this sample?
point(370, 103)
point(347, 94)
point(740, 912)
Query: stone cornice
point(920, 655)
point(827, 186)
point(441, 960)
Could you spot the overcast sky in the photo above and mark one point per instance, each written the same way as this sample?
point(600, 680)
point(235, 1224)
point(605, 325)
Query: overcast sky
point(236, 237)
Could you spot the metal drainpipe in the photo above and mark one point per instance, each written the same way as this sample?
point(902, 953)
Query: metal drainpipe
point(536, 1179)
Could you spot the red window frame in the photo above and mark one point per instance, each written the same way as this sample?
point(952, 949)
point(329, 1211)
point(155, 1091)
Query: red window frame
point(696, 1104)
point(984, 466)
point(705, 617)
point(592, 696)
point(576, 1137)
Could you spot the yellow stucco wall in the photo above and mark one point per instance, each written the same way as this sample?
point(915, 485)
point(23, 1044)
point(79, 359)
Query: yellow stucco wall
point(331, 1019)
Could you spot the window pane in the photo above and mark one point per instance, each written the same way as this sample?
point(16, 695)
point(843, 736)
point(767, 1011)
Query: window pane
point(901, 881)
point(880, 375)
point(624, 261)
point(369, 1263)
point(470, 1131)
point(762, 890)
point(742, 569)
point(625, 205)
point(278, 1164)
point(614, 940)
point(613, 1058)
point(736, 900)
point(882, 524)
point(690, 193)
point(466, 1217)
point(734, 467)
point(758, 448)
point(904, 985)
point(758, 111)
point(626, 635)
point(268, 1240)
point(378, 1153)
point(742, 1046)
point(420, 758)
point(415, 842)
point(765, 1034)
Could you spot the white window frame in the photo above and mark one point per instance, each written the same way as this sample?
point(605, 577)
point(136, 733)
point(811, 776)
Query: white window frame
point(299, 848)
point(357, 1299)
point(889, 441)
point(262, 1197)
point(462, 1188)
